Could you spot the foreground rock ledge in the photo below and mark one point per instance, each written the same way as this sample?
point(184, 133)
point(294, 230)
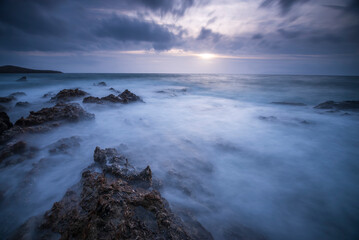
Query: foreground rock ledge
point(116, 202)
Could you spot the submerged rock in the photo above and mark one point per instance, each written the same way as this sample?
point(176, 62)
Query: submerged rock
point(22, 79)
point(100, 84)
point(345, 105)
point(114, 90)
point(5, 123)
point(70, 112)
point(17, 94)
point(22, 104)
point(6, 99)
point(47, 95)
point(108, 206)
point(66, 95)
point(64, 145)
point(289, 103)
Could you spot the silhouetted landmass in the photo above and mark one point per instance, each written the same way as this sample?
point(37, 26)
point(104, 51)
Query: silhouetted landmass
point(15, 69)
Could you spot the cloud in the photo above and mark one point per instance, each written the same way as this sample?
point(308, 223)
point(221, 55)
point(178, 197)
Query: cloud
point(208, 34)
point(285, 5)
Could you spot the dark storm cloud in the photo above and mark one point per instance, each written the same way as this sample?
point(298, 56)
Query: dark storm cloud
point(285, 5)
point(208, 34)
point(122, 28)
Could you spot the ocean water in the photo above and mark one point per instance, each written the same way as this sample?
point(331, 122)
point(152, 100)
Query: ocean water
point(221, 148)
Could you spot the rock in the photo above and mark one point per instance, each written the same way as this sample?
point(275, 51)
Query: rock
point(72, 112)
point(128, 97)
point(11, 149)
point(22, 104)
point(92, 99)
point(5, 123)
point(2, 108)
point(345, 105)
point(17, 94)
point(114, 90)
point(100, 84)
point(22, 79)
point(289, 103)
point(68, 95)
point(64, 145)
point(6, 99)
point(109, 99)
point(106, 206)
point(47, 95)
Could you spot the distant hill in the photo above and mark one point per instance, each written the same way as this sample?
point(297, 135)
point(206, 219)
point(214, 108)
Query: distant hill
point(15, 69)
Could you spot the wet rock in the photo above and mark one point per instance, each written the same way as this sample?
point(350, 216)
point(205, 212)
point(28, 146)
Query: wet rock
point(16, 152)
point(11, 149)
point(2, 108)
point(6, 99)
point(65, 145)
point(114, 90)
point(289, 103)
point(112, 98)
point(100, 84)
point(5, 123)
point(22, 79)
point(66, 95)
point(106, 206)
point(128, 97)
point(345, 105)
point(22, 104)
point(92, 99)
point(108, 99)
point(72, 112)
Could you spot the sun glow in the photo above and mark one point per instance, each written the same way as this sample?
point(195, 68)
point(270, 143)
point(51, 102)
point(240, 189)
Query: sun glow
point(206, 55)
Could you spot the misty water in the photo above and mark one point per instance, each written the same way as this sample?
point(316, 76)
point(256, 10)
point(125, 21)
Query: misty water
point(220, 147)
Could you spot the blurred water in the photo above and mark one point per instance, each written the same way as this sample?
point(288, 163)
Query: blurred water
point(220, 147)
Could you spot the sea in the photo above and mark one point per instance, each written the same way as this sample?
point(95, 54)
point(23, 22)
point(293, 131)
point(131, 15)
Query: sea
point(221, 145)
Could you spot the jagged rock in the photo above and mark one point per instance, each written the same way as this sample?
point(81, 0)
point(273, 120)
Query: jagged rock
point(11, 149)
point(46, 119)
point(22, 79)
point(110, 99)
point(68, 95)
point(289, 103)
point(114, 90)
point(64, 145)
point(106, 206)
point(92, 99)
point(70, 112)
point(345, 105)
point(100, 84)
point(5, 123)
point(16, 152)
point(22, 104)
point(128, 97)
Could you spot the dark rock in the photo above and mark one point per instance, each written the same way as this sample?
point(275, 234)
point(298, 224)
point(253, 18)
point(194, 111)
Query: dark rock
point(68, 95)
point(289, 103)
point(47, 95)
point(114, 90)
point(22, 79)
point(128, 97)
point(2, 108)
point(92, 99)
point(22, 104)
point(6, 99)
point(11, 149)
point(100, 84)
point(69, 112)
point(5, 123)
point(345, 105)
point(106, 206)
point(112, 98)
point(17, 94)
point(64, 145)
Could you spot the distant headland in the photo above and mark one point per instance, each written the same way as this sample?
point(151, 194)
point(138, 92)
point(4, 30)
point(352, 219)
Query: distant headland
point(15, 69)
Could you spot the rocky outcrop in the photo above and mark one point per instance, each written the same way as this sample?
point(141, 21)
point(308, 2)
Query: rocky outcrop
point(66, 95)
point(125, 97)
point(65, 145)
point(345, 105)
point(70, 112)
point(111, 206)
point(103, 84)
point(46, 119)
point(22, 104)
point(128, 97)
point(6, 99)
point(2, 108)
point(5, 123)
point(17, 94)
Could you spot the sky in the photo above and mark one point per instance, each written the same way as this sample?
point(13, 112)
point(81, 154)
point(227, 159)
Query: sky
point(182, 36)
